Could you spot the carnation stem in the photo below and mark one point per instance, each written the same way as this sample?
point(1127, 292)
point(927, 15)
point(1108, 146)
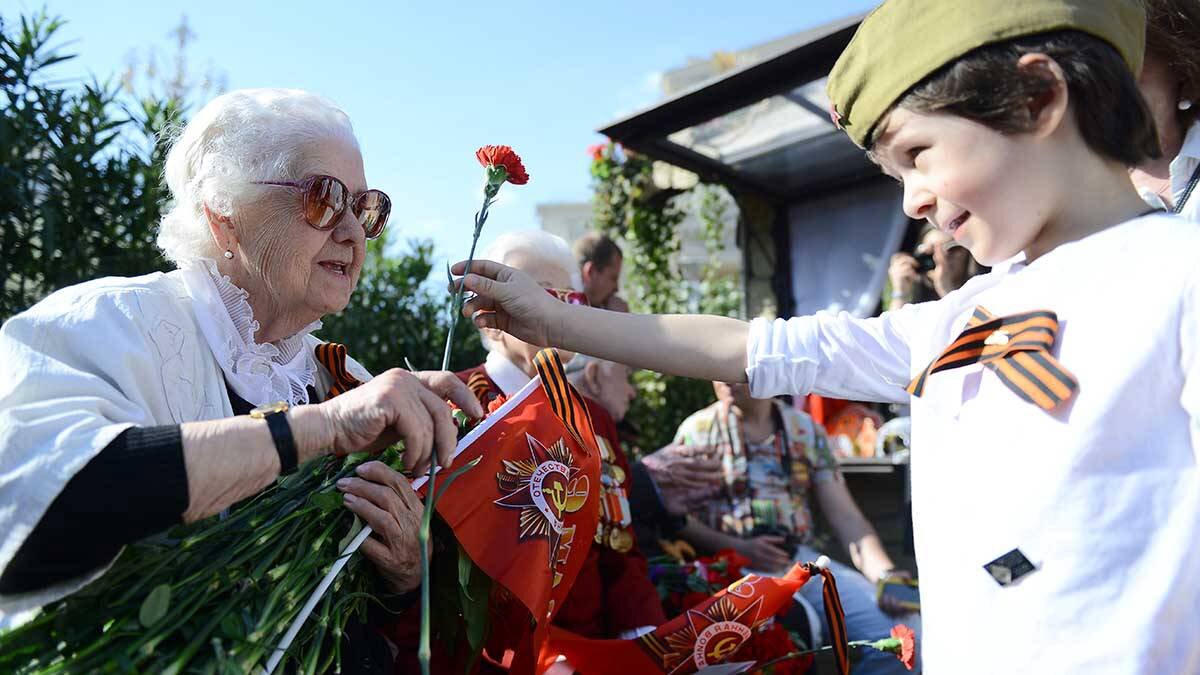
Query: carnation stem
point(796, 654)
point(423, 650)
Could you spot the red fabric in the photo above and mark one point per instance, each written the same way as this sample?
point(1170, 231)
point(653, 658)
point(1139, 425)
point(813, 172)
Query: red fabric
point(822, 408)
point(613, 591)
point(526, 513)
point(710, 633)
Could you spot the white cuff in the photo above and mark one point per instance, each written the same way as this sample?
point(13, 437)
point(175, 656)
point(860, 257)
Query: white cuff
point(781, 357)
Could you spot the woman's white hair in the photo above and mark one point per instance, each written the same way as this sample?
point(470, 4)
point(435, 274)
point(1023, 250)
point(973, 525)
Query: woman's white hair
point(240, 137)
point(539, 244)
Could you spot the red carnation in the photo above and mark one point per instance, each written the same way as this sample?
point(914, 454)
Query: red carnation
point(495, 403)
point(908, 645)
point(503, 156)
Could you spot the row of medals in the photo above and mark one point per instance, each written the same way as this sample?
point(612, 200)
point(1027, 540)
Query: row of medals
point(610, 532)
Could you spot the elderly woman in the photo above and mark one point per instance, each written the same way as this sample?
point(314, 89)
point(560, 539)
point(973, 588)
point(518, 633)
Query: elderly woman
point(128, 405)
point(1170, 83)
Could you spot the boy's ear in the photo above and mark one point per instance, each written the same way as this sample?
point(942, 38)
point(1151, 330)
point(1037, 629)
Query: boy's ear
point(1048, 109)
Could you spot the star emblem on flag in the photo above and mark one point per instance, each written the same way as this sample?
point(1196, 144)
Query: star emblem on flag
point(546, 487)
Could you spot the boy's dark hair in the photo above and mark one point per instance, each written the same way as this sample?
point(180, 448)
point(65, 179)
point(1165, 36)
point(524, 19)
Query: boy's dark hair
point(1173, 35)
point(985, 86)
point(598, 249)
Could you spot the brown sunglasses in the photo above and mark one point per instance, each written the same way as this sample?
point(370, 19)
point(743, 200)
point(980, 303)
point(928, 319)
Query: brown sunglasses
point(571, 297)
point(326, 199)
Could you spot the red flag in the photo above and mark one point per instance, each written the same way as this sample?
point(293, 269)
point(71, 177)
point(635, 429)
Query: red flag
point(708, 634)
point(527, 512)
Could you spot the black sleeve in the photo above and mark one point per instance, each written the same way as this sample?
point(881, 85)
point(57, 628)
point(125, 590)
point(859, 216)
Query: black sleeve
point(646, 505)
point(135, 487)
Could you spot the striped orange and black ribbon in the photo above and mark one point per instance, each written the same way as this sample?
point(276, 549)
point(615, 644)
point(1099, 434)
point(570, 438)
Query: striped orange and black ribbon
point(479, 386)
point(1017, 349)
point(332, 356)
point(565, 402)
point(835, 616)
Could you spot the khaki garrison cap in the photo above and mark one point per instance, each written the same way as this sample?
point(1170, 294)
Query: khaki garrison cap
point(903, 41)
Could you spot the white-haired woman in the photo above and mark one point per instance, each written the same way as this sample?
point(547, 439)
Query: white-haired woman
point(1170, 83)
point(130, 404)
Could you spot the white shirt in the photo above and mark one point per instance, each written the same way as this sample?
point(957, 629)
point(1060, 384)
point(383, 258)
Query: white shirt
point(1102, 495)
point(94, 359)
point(1182, 168)
point(506, 374)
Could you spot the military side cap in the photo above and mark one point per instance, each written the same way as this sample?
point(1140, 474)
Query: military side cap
point(903, 41)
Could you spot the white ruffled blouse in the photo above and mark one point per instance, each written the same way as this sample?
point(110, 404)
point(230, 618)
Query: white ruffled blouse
point(259, 373)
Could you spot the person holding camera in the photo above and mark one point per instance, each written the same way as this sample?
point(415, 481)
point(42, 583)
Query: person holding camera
point(937, 266)
point(774, 458)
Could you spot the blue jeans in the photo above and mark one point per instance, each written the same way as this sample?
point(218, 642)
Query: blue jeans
point(864, 619)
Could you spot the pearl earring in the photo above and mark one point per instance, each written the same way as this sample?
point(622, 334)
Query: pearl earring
point(228, 254)
point(1185, 104)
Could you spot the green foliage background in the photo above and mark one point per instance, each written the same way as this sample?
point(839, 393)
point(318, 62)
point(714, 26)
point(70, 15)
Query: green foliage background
point(645, 220)
point(81, 196)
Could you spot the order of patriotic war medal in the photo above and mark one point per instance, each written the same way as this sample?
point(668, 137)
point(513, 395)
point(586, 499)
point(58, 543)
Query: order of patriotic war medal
point(546, 487)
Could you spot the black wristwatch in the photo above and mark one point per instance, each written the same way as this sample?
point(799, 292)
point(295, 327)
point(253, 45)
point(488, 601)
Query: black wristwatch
point(281, 432)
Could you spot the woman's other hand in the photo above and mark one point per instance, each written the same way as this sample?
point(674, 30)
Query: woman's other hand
point(384, 499)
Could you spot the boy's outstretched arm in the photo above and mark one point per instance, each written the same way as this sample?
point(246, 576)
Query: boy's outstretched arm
point(704, 347)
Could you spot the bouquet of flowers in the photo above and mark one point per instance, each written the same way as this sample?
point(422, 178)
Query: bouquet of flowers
point(684, 584)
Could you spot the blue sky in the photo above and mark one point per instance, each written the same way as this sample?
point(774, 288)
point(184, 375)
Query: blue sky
point(426, 84)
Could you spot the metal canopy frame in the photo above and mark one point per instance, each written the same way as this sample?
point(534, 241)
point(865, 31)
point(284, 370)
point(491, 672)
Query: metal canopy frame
point(647, 131)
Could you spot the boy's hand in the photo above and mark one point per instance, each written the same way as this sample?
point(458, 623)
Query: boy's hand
point(509, 300)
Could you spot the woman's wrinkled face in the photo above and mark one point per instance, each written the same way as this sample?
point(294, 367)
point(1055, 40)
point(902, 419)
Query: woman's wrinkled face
point(304, 271)
point(976, 185)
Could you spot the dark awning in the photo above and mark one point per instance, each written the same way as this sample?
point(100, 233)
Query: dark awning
point(764, 127)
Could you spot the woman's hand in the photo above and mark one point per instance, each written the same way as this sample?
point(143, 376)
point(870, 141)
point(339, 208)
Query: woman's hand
point(686, 476)
point(509, 300)
point(903, 272)
point(399, 405)
point(765, 552)
point(384, 500)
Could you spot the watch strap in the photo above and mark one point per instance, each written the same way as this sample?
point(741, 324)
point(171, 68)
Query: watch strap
point(285, 443)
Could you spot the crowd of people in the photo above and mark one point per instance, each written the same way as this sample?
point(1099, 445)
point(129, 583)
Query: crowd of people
point(1046, 515)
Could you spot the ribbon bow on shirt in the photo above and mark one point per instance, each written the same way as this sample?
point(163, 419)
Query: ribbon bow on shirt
point(1017, 349)
point(333, 356)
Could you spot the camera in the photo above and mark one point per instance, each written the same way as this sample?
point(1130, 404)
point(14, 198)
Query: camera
point(925, 262)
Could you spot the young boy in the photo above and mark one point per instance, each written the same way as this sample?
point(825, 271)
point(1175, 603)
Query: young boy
point(1056, 501)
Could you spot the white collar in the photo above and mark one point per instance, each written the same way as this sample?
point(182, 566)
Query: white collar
point(259, 373)
point(1184, 164)
point(505, 373)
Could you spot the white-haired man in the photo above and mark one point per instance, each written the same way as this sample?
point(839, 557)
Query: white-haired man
point(612, 596)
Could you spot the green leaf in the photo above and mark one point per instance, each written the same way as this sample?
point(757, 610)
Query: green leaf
point(465, 566)
point(328, 501)
point(354, 530)
point(475, 611)
point(155, 606)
